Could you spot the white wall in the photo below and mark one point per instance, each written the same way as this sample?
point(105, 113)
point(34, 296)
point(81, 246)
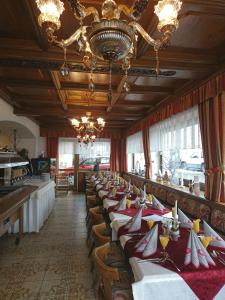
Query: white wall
point(42, 145)
point(32, 144)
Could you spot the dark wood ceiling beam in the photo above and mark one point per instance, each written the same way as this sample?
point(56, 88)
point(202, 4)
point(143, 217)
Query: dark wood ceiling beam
point(61, 94)
point(41, 38)
point(46, 111)
point(119, 92)
point(7, 97)
point(41, 84)
point(34, 59)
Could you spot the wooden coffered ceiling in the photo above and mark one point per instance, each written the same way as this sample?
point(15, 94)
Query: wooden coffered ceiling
point(32, 82)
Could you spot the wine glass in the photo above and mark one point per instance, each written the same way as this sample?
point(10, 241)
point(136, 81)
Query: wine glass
point(206, 240)
point(129, 203)
point(164, 240)
point(150, 224)
point(196, 225)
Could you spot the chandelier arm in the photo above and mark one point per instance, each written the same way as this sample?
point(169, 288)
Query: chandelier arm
point(81, 12)
point(75, 36)
point(126, 10)
point(156, 43)
point(97, 129)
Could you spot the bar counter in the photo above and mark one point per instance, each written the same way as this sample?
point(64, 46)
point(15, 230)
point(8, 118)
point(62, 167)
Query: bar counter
point(36, 198)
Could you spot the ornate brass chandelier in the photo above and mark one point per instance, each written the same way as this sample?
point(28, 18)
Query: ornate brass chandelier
point(87, 130)
point(109, 38)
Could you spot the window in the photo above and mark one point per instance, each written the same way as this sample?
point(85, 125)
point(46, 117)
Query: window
point(176, 147)
point(135, 154)
point(88, 153)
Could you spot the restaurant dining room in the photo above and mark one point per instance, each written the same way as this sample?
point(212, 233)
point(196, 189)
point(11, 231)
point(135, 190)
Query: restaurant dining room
point(112, 150)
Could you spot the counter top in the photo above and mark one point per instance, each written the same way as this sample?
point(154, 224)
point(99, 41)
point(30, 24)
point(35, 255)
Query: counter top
point(15, 199)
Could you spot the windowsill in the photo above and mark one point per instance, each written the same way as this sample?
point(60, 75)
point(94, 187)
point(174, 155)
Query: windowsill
point(184, 189)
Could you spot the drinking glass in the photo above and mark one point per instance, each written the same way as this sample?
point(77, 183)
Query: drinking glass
point(150, 224)
point(206, 240)
point(196, 225)
point(164, 240)
point(129, 202)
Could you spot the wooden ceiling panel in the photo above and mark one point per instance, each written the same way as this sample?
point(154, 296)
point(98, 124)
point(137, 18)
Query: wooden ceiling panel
point(198, 32)
point(138, 97)
point(14, 20)
point(26, 74)
point(84, 78)
point(30, 67)
point(26, 91)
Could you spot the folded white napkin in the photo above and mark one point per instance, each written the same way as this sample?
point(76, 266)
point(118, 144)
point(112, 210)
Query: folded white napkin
point(196, 253)
point(134, 224)
point(185, 222)
point(122, 204)
point(217, 241)
point(156, 204)
point(148, 244)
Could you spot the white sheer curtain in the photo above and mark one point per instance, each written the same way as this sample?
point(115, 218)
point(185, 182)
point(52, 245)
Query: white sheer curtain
point(66, 152)
point(135, 143)
point(178, 132)
point(100, 148)
point(68, 147)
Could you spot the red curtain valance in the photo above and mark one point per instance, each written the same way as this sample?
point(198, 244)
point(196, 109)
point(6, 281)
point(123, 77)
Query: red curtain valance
point(70, 133)
point(208, 89)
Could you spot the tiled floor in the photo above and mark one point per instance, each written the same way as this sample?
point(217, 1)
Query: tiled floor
point(52, 264)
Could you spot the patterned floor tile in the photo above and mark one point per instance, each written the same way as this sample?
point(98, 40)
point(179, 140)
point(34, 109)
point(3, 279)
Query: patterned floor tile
point(51, 264)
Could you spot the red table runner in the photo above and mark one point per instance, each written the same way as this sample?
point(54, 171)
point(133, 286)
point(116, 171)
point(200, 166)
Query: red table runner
point(133, 211)
point(205, 283)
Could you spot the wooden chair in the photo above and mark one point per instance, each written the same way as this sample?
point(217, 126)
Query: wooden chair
point(101, 234)
point(114, 283)
point(95, 217)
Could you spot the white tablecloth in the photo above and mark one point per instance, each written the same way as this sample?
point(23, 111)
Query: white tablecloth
point(153, 281)
point(108, 202)
point(37, 209)
point(102, 193)
point(98, 186)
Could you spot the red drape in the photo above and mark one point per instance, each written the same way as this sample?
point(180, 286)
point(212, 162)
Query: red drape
point(212, 124)
point(206, 90)
point(115, 155)
point(52, 147)
point(118, 155)
point(147, 153)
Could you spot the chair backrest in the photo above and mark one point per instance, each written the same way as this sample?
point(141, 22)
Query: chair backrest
point(98, 231)
point(107, 274)
point(96, 215)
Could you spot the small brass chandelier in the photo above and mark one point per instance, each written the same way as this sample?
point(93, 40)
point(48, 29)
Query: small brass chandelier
point(87, 130)
point(109, 38)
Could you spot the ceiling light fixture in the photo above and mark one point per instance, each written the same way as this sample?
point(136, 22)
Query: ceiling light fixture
point(87, 130)
point(109, 38)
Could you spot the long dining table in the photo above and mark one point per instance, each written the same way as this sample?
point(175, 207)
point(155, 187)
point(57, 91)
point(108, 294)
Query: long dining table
point(160, 281)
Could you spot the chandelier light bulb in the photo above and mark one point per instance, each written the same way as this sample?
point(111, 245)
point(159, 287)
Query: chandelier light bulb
point(167, 12)
point(91, 124)
point(75, 123)
point(51, 11)
point(100, 121)
point(84, 120)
